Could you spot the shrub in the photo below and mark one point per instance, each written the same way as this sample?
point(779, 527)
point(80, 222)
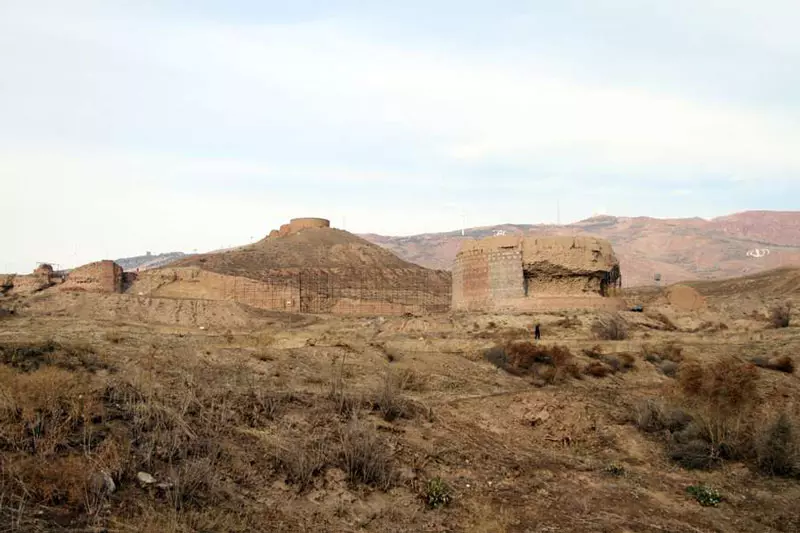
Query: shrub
point(610, 328)
point(615, 470)
point(720, 397)
point(364, 457)
point(597, 369)
point(777, 449)
point(619, 362)
point(653, 416)
point(705, 496)
point(301, 461)
point(497, 356)
point(411, 380)
point(780, 315)
point(695, 454)
point(521, 358)
point(390, 402)
point(667, 324)
point(595, 352)
point(438, 493)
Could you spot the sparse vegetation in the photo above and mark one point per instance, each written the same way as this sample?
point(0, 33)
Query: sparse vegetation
point(610, 328)
point(597, 369)
point(390, 401)
point(780, 315)
point(438, 493)
point(778, 448)
point(547, 363)
point(705, 496)
point(364, 456)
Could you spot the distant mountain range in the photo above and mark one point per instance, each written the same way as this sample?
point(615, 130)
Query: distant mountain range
point(675, 249)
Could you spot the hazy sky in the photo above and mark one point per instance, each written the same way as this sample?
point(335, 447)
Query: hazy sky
point(161, 125)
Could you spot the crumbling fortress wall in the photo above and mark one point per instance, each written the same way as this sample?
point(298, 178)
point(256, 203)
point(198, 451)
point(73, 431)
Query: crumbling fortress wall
point(535, 273)
point(101, 276)
point(298, 224)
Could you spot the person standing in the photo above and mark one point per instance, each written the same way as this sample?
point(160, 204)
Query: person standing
point(537, 333)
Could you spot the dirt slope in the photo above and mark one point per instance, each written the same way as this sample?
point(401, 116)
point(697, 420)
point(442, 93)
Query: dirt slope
point(678, 249)
point(312, 248)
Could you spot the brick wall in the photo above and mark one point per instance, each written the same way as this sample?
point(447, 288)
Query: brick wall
point(471, 280)
point(102, 276)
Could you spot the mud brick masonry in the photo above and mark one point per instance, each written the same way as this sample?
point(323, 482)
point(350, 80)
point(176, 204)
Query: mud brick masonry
point(535, 273)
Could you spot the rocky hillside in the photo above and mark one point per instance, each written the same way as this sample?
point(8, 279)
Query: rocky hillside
point(677, 249)
point(144, 262)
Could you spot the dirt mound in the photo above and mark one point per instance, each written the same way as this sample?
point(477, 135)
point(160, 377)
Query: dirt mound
point(685, 298)
point(311, 248)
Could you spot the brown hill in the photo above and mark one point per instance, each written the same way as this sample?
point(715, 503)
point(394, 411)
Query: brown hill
point(319, 248)
point(677, 249)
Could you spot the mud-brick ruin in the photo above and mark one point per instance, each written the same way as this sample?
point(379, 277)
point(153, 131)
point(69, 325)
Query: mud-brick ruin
point(535, 273)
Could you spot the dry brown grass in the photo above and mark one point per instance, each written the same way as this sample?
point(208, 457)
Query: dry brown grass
point(597, 369)
point(780, 315)
point(611, 328)
point(547, 363)
point(364, 457)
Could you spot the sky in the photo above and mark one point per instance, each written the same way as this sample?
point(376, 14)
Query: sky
point(164, 125)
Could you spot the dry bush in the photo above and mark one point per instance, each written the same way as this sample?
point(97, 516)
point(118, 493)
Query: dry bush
point(610, 328)
point(522, 358)
point(29, 357)
point(595, 352)
point(301, 461)
point(652, 416)
point(569, 322)
point(390, 401)
point(364, 457)
point(619, 362)
point(782, 363)
point(695, 454)
point(597, 369)
point(721, 397)
point(408, 379)
point(780, 315)
point(669, 351)
point(778, 448)
point(666, 323)
point(497, 356)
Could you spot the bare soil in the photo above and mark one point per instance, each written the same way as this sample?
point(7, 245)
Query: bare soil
point(259, 421)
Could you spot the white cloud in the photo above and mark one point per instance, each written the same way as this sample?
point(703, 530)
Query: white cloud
point(129, 130)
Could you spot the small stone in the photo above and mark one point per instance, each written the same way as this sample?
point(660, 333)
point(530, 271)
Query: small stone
point(102, 483)
point(145, 478)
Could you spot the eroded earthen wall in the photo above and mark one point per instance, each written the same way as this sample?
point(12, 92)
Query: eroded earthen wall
point(510, 273)
point(102, 276)
point(471, 280)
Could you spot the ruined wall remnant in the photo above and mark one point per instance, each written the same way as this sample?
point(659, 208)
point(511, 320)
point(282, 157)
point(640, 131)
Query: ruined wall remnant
point(102, 276)
point(296, 225)
point(516, 273)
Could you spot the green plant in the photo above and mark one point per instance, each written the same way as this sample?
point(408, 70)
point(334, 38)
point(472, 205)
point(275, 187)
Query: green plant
point(705, 496)
point(438, 493)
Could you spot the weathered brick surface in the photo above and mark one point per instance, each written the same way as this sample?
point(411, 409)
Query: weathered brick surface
point(514, 273)
point(102, 276)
